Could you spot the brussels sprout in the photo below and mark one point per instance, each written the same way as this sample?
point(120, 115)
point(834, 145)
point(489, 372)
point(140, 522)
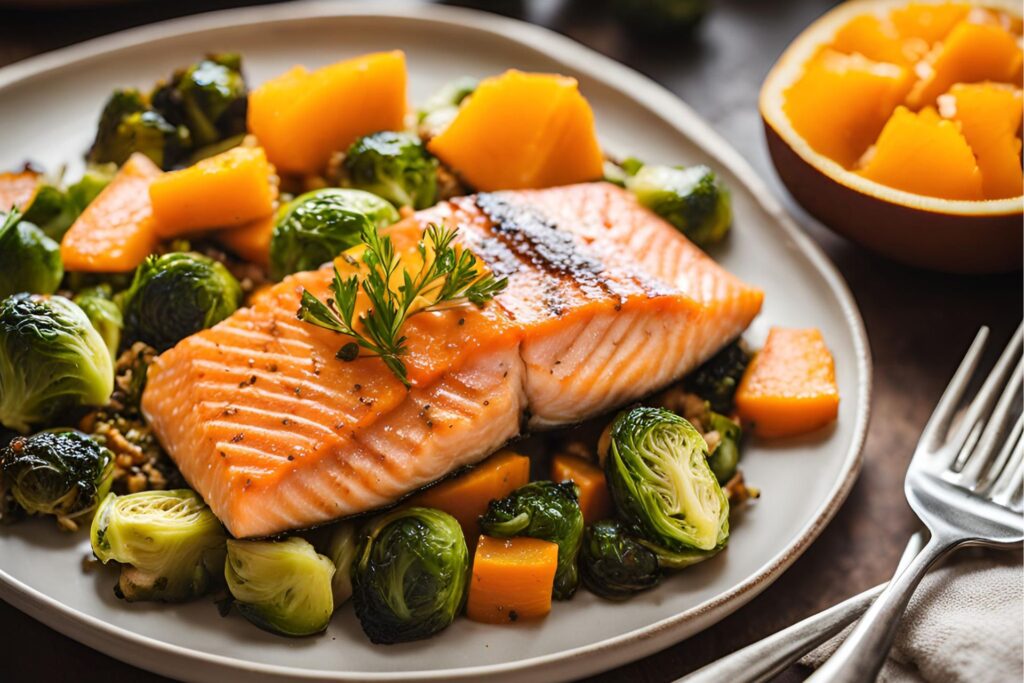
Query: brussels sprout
point(29, 260)
point(689, 198)
point(315, 227)
point(128, 125)
point(341, 548)
point(89, 186)
point(716, 380)
point(395, 166)
point(544, 510)
point(725, 457)
point(175, 295)
point(105, 315)
point(619, 173)
point(615, 565)
point(60, 473)
point(54, 207)
point(51, 360)
point(410, 573)
point(659, 18)
point(281, 586)
point(659, 477)
point(678, 559)
point(209, 98)
point(441, 108)
point(169, 544)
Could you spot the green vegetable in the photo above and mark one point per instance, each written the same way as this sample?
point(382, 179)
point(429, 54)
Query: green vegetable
point(176, 295)
point(29, 260)
point(105, 315)
point(128, 125)
point(726, 456)
point(51, 360)
point(689, 198)
point(96, 177)
point(544, 510)
point(659, 18)
point(315, 227)
point(209, 98)
point(660, 481)
point(619, 173)
point(441, 108)
point(613, 564)
point(169, 544)
point(54, 208)
point(409, 578)
point(395, 166)
point(717, 379)
point(281, 586)
point(341, 548)
point(60, 473)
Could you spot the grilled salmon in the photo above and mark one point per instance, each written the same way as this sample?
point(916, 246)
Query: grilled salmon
point(606, 303)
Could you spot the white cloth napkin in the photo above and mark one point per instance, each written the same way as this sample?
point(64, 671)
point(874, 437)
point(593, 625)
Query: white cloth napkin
point(964, 624)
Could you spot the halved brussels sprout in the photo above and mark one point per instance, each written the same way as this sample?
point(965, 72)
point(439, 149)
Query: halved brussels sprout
point(544, 510)
point(409, 578)
point(29, 260)
point(615, 565)
point(281, 586)
point(105, 315)
point(725, 457)
point(692, 199)
point(662, 485)
point(395, 166)
point(441, 108)
point(341, 548)
point(128, 125)
point(169, 544)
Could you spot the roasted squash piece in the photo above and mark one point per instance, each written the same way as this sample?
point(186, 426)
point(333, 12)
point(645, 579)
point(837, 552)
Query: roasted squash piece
point(927, 22)
point(115, 232)
point(522, 130)
point(790, 386)
point(250, 241)
point(878, 40)
point(595, 500)
point(303, 117)
point(226, 190)
point(17, 189)
point(512, 579)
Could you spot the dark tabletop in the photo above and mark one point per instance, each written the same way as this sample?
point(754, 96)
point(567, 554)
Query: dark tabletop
point(918, 323)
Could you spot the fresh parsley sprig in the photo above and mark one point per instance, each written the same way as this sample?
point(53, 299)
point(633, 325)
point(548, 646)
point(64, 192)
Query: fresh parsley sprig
point(447, 277)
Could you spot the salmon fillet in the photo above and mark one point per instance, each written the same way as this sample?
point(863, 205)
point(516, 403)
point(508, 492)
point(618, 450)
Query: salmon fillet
point(606, 303)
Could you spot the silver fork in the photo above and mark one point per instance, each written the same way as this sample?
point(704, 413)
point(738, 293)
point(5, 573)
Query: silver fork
point(966, 484)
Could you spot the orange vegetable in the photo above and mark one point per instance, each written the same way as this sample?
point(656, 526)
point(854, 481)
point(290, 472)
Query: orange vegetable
point(303, 117)
point(229, 189)
point(927, 23)
point(250, 241)
point(878, 40)
point(512, 579)
point(115, 233)
point(465, 497)
point(522, 130)
point(595, 501)
point(790, 386)
point(17, 189)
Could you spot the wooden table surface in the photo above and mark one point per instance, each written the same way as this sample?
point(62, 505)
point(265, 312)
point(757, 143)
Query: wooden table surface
point(918, 323)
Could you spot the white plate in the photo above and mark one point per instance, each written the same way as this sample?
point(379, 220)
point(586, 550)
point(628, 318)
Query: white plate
point(49, 106)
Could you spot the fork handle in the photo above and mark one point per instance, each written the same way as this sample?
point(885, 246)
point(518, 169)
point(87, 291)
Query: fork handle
point(861, 656)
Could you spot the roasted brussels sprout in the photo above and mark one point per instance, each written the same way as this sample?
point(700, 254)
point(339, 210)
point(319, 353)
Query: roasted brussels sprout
point(88, 187)
point(128, 125)
point(725, 456)
point(659, 18)
point(281, 586)
point(105, 315)
point(395, 166)
point(544, 510)
point(689, 198)
point(60, 473)
point(410, 573)
point(169, 544)
point(29, 260)
point(209, 98)
point(716, 380)
point(315, 227)
point(619, 173)
point(441, 108)
point(341, 548)
point(175, 295)
point(660, 481)
point(51, 360)
point(613, 564)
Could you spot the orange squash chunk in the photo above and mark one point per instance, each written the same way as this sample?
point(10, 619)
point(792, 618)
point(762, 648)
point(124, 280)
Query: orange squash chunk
point(971, 52)
point(789, 387)
point(229, 189)
point(989, 115)
point(842, 102)
point(595, 501)
point(303, 117)
point(115, 233)
point(926, 22)
point(250, 241)
point(512, 579)
point(17, 189)
point(924, 154)
point(522, 130)
point(465, 497)
point(878, 40)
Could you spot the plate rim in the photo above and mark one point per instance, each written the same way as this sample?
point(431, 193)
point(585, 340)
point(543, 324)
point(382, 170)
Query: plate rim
point(125, 645)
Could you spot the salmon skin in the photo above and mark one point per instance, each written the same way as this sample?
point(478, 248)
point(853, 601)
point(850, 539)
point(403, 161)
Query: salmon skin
point(605, 303)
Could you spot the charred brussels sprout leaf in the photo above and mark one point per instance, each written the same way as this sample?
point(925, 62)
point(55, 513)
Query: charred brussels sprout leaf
point(544, 510)
point(29, 260)
point(176, 295)
point(105, 315)
point(659, 477)
point(60, 473)
point(726, 456)
point(315, 227)
point(209, 98)
point(51, 360)
point(689, 198)
point(613, 564)
point(717, 379)
point(169, 544)
point(659, 18)
point(128, 125)
point(281, 586)
point(410, 573)
point(395, 166)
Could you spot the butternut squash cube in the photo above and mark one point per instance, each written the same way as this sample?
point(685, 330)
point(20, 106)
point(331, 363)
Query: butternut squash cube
point(595, 500)
point(928, 22)
point(878, 40)
point(18, 189)
point(250, 241)
point(512, 579)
